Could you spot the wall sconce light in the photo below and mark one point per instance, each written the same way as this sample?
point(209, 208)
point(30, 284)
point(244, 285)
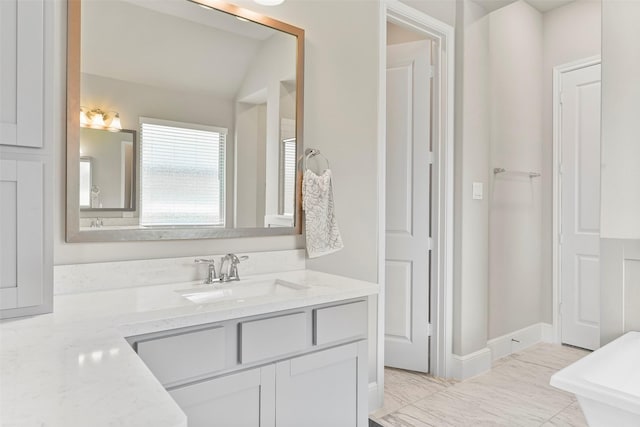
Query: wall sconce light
point(99, 119)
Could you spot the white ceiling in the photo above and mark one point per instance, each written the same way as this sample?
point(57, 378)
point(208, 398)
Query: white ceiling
point(174, 44)
point(541, 5)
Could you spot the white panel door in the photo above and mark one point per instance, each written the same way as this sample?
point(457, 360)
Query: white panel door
point(580, 207)
point(408, 216)
point(21, 72)
point(21, 234)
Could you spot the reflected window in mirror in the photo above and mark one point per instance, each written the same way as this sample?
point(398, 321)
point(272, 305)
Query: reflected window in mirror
point(85, 181)
point(287, 177)
point(182, 174)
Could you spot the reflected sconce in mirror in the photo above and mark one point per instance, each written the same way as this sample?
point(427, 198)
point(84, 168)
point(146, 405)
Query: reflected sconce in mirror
point(99, 119)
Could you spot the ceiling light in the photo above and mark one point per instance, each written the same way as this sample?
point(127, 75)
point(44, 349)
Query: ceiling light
point(269, 2)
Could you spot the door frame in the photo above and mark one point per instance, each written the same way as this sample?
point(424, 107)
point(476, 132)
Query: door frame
point(442, 183)
point(558, 72)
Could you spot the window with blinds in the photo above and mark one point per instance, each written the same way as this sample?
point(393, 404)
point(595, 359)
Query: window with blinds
point(287, 176)
point(182, 177)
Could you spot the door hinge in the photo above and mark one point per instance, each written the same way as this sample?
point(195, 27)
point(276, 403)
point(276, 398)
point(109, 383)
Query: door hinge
point(560, 309)
point(561, 97)
point(560, 168)
point(561, 238)
point(430, 157)
point(431, 71)
point(430, 244)
point(429, 330)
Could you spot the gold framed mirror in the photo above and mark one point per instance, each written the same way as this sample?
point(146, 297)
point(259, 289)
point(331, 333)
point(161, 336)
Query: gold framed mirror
point(213, 96)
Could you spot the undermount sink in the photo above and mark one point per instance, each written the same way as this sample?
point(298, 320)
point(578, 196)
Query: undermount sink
point(241, 291)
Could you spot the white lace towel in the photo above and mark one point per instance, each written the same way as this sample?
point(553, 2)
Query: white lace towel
point(323, 236)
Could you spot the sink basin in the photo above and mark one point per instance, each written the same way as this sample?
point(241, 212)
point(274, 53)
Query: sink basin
point(240, 291)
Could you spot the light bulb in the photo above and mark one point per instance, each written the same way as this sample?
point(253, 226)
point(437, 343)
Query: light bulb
point(84, 120)
point(97, 120)
point(115, 124)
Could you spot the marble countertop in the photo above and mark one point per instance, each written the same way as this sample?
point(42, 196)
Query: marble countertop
point(73, 367)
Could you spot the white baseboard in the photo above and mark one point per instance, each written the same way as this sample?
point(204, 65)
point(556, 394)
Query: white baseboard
point(548, 334)
point(473, 364)
point(375, 402)
point(519, 340)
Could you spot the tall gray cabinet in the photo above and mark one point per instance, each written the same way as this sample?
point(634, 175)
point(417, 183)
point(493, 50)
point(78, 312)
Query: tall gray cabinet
point(26, 159)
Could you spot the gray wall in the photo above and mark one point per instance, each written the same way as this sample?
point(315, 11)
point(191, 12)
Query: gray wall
point(620, 174)
point(471, 275)
point(515, 278)
point(620, 207)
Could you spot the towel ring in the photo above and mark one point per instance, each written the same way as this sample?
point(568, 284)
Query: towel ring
point(313, 152)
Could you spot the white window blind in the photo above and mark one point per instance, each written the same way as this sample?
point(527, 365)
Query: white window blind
point(182, 173)
point(288, 176)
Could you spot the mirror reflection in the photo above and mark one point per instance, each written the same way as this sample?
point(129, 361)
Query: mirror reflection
point(213, 98)
point(107, 170)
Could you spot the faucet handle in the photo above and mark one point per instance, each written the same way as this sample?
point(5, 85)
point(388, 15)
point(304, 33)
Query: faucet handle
point(212, 269)
point(233, 268)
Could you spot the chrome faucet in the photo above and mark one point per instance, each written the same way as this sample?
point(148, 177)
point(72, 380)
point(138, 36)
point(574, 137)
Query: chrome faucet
point(230, 261)
point(211, 276)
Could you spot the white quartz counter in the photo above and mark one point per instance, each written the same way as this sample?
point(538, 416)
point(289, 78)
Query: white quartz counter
point(74, 368)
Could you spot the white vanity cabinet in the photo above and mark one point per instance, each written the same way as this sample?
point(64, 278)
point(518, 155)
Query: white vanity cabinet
point(26, 161)
point(274, 373)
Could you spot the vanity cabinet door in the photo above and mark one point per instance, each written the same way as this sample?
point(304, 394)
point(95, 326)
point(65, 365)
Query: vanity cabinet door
point(244, 399)
point(21, 72)
point(21, 234)
point(326, 388)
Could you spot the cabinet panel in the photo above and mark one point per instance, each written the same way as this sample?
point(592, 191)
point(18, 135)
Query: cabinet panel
point(21, 72)
point(327, 388)
point(276, 336)
point(186, 355)
point(340, 322)
point(22, 245)
point(244, 399)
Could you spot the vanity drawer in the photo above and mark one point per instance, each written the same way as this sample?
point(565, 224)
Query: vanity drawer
point(184, 355)
point(272, 337)
point(340, 322)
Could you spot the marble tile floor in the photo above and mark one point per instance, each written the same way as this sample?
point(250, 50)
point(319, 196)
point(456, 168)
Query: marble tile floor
point(516, 392)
